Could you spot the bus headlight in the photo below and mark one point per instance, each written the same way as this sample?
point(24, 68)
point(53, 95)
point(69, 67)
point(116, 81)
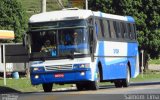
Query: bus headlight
point(82, 73)
point(36, 76)
point(87, 65)
point(37, 69)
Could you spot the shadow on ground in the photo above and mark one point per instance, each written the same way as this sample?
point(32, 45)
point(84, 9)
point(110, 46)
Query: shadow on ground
point(4, 90)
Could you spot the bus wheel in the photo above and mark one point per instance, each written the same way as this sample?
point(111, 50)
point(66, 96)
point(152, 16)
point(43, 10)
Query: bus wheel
point(126, 82)
point(47, 87)
point(95, 84)
point(118, 84)
point(79, 86)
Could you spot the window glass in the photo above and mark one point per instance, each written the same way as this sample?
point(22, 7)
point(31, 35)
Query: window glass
point(131, 28)
point(115, 28)
point(90, 21)
point(134, 30)
point(119, 35)
point(126, 34)
point(112, 30)
point(102, 27)
point(124, 30)
point(109, 28)
point(106, 28)
point(129, 31)
point(98, 29)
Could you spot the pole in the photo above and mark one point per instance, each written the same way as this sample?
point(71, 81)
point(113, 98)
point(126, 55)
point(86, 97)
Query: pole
point(4, 63)
point(142, 67)
point(43, 6)
point(86, 4)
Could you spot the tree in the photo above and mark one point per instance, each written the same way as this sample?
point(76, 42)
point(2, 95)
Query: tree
point(146, 14)
point(13, 17)
point(101, 5)
point(152, 43)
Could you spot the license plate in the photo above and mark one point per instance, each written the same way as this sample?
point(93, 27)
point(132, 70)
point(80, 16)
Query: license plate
point(60, 75)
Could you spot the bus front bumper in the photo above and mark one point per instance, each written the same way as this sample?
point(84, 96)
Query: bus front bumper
point(61, 77)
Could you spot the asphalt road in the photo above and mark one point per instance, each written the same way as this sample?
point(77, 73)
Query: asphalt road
point(137, 91)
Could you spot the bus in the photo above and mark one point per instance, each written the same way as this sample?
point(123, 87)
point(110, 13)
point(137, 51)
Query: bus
point(106, 49)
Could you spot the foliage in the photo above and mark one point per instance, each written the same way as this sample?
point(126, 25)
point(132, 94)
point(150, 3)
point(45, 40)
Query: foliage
point(101, 5)
point(14, 14)
point(154, 61)
point(13, 17)
point(146, 14)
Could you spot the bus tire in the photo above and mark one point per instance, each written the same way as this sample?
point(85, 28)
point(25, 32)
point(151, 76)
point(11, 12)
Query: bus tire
point(126, 82)
point(47, 87)
point(118, 84)
point(79, 86)
point(95, 84)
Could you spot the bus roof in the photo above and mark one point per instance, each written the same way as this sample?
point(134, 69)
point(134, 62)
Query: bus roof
point(75, 14)
point(114, 17)
point(60, 15)
point(6, 34)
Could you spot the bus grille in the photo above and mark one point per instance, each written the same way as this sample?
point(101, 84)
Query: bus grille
point(59, 67)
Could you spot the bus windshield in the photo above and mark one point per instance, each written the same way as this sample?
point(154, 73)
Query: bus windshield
point(56, 43)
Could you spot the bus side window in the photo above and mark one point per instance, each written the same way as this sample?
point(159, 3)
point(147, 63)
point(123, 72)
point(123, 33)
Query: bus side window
point(130, 31)
point(124, 30)
point(134, 31)
point(90, 21)
point(106, 29)
point(115, 28)
point(126, 34)
point(118, 30)
point(112, 30)
point(98, 29)
point(102, 27)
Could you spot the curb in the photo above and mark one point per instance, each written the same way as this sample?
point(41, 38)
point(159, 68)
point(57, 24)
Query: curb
point(64, 89)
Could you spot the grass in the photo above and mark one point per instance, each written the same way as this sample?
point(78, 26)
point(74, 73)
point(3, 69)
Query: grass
point(24, 85)
point(154, 61)
point(149, 75)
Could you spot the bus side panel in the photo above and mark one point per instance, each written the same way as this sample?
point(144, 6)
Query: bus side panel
point(133, 58)
point(132, 66)
point(115, 69)
point(113, 58)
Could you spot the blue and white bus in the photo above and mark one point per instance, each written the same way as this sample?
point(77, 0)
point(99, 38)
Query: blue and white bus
point(106, 49)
